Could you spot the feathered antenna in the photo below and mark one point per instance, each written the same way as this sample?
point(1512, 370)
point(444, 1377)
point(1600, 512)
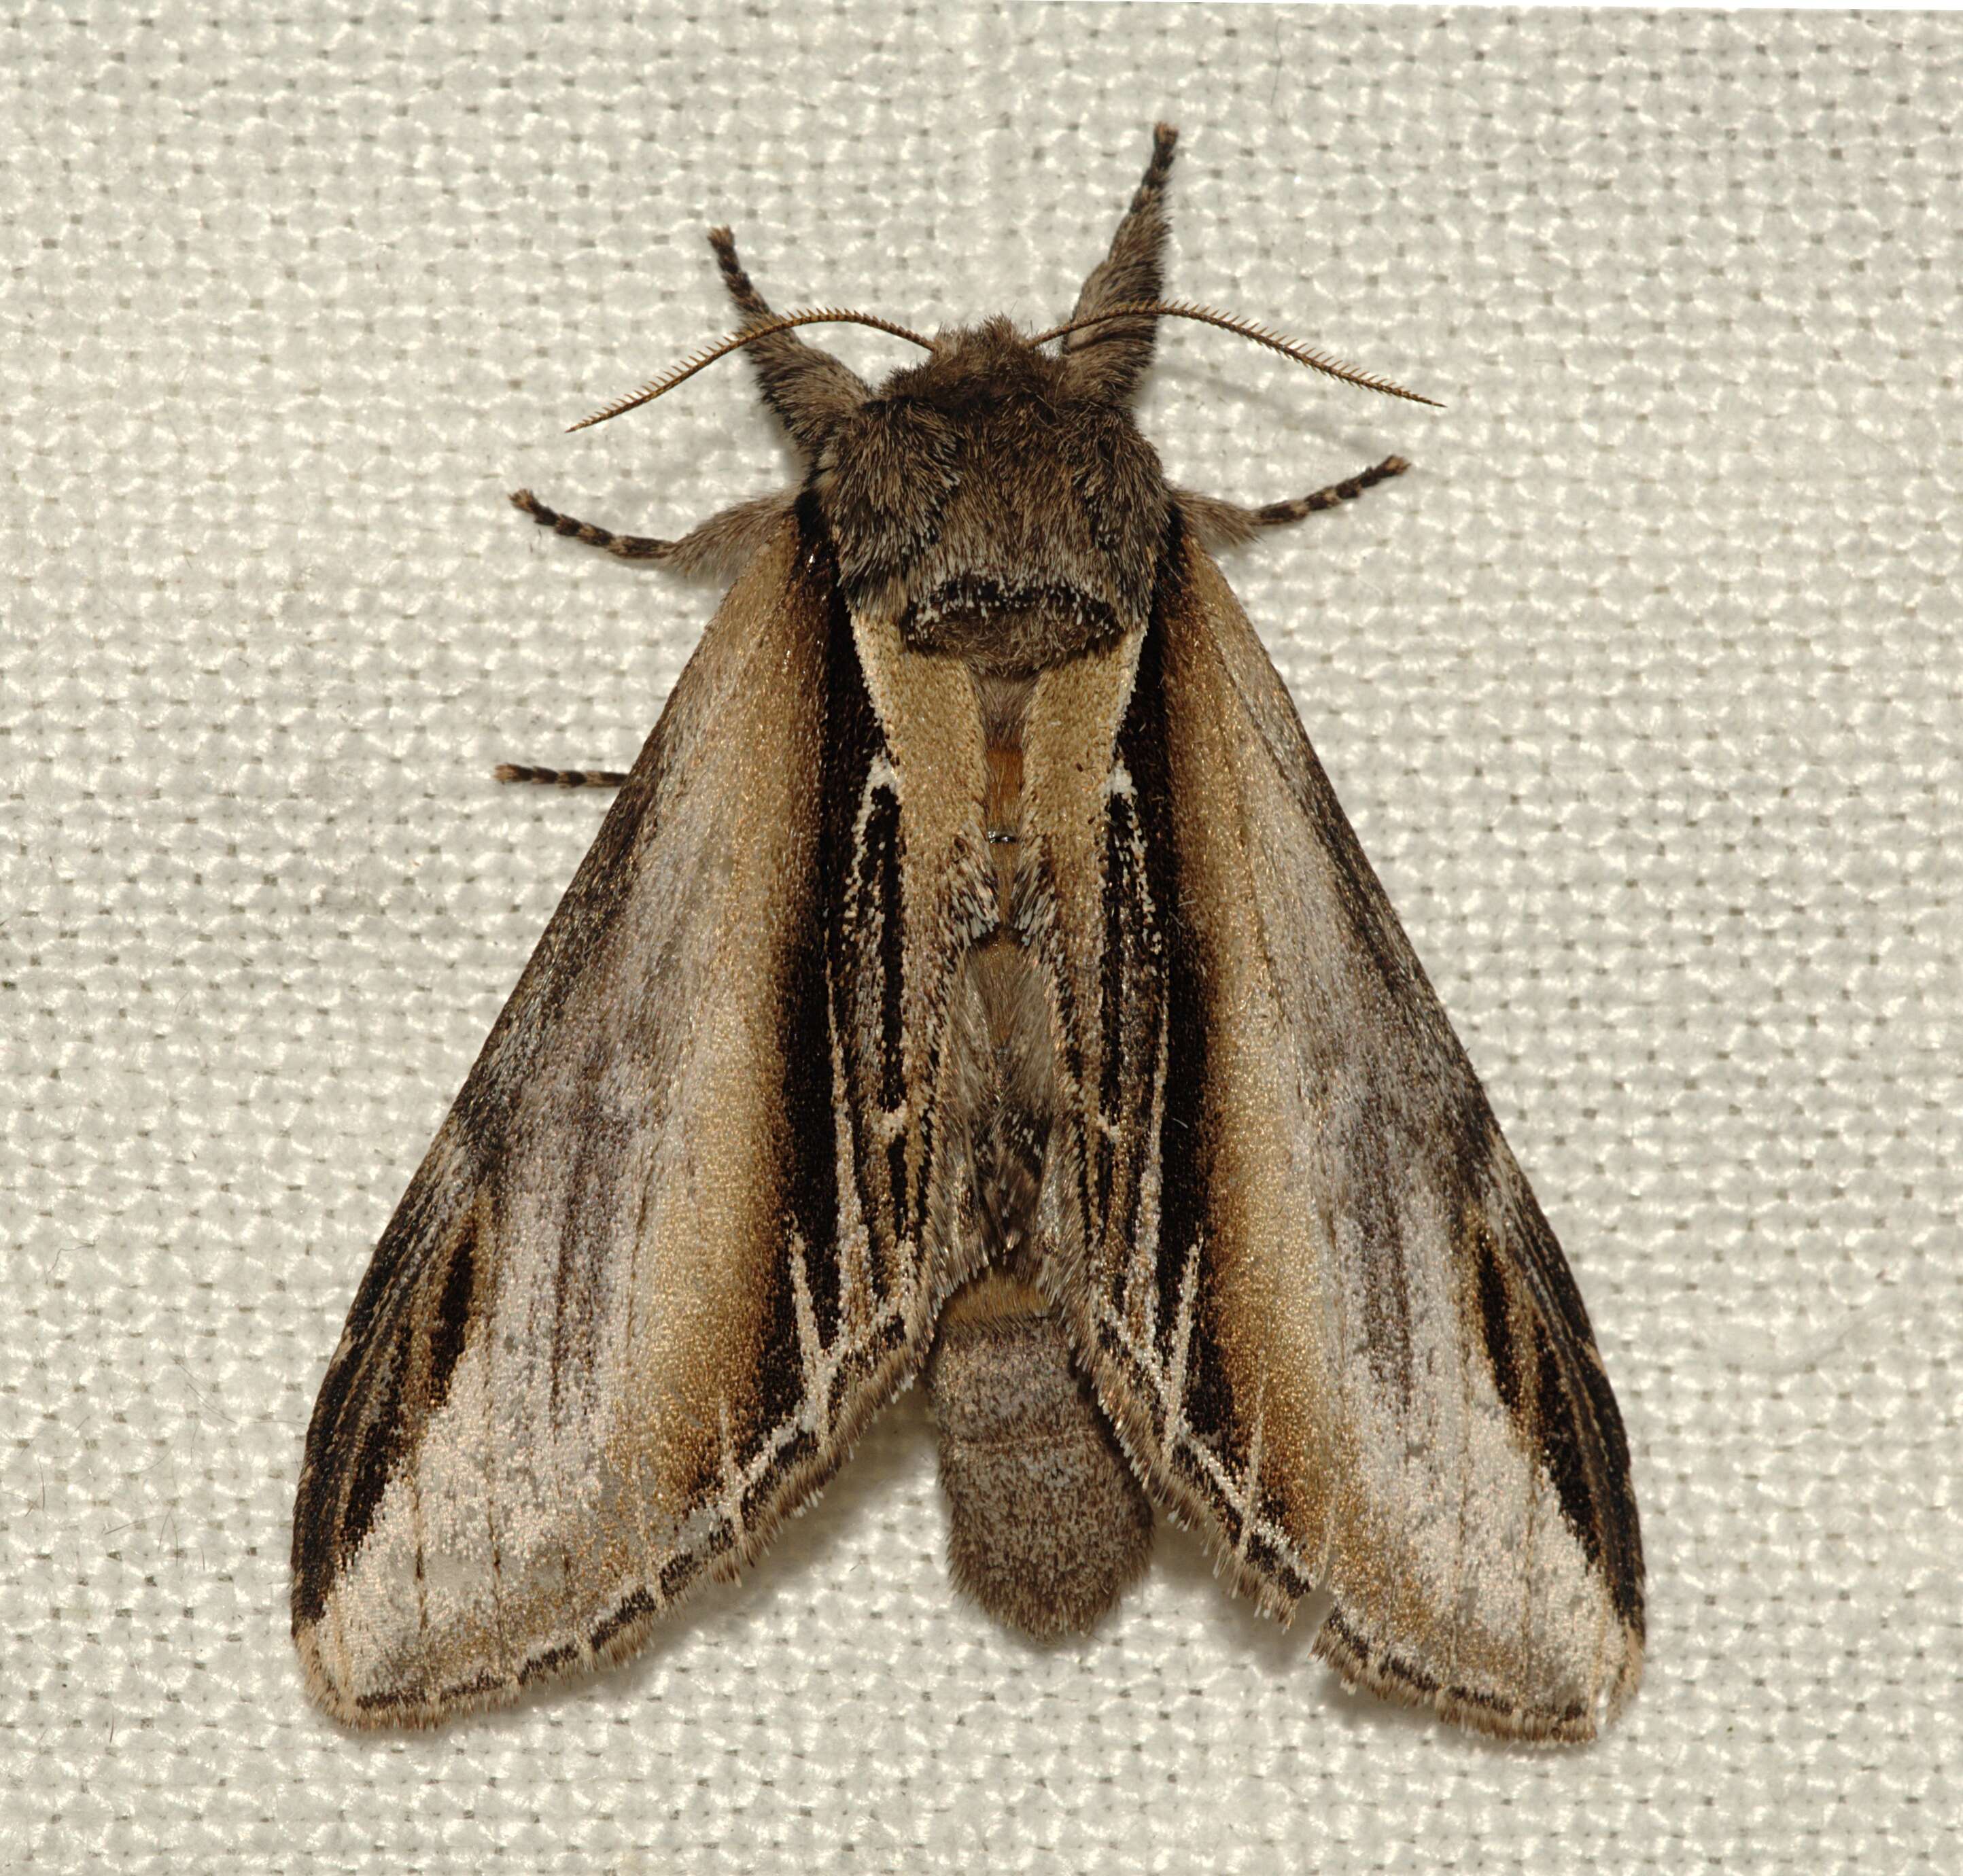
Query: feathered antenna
point(1183, 309)
point(777, 322)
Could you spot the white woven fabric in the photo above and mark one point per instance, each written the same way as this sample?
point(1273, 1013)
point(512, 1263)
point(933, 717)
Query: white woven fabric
point(1643, 692)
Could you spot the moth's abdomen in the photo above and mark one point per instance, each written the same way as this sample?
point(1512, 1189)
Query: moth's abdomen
point(1049, 1527)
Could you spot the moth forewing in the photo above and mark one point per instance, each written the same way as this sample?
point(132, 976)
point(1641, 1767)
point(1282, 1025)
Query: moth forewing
point(975, 978)
point(1366, 1367)
point(629, 1313)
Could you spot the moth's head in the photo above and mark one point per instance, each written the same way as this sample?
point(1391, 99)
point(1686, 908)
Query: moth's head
point(996, 498)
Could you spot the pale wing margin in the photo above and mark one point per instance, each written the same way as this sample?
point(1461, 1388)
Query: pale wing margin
point(629, 1312)
point(1317, 1295)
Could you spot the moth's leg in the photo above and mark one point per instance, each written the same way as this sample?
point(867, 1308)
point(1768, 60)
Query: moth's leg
point(1220, 524)
point(627, 547)
point(561, 778)
point(1278, 513)
point(721, 545)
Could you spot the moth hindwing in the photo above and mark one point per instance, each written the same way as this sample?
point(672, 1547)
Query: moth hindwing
point(975, 979)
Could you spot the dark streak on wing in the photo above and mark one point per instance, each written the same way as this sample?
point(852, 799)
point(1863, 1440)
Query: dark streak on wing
point(809, 1174)
point(450, 1329)
point(1495, 1311)
point(1168, 985)
point(777, 1372)
point(1555, 1415)
point(1185, 1198)
point(878, 880)
point(1131, 1006)
point(382, 1436)
point(1123, 892)
point(809, 1177)
point(879, 887)
point(1571, 1389)
point(1595, 1496)
point(318, 1544)
point(1120, 912)
point(852, 742)
point(1624, 1541)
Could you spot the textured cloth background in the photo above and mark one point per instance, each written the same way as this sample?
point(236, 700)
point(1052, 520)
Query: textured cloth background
point(1642, 691)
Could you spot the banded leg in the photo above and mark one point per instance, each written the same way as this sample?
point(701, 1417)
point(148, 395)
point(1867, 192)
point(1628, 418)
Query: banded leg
point(627, 546)
point(1220, 524)
point(561, 778)
point(720, 547)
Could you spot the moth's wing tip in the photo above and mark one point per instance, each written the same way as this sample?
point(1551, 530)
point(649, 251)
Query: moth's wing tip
point(1627, 1680)
point(382, 1709)
point(1342, 1647)
point(409, 1704)
point(328, 1692)
point(386, 1710)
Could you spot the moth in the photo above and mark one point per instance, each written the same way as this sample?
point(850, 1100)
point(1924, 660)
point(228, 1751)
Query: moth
point(974, 980)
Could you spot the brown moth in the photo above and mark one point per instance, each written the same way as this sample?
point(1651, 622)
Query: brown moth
point(975, 978)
